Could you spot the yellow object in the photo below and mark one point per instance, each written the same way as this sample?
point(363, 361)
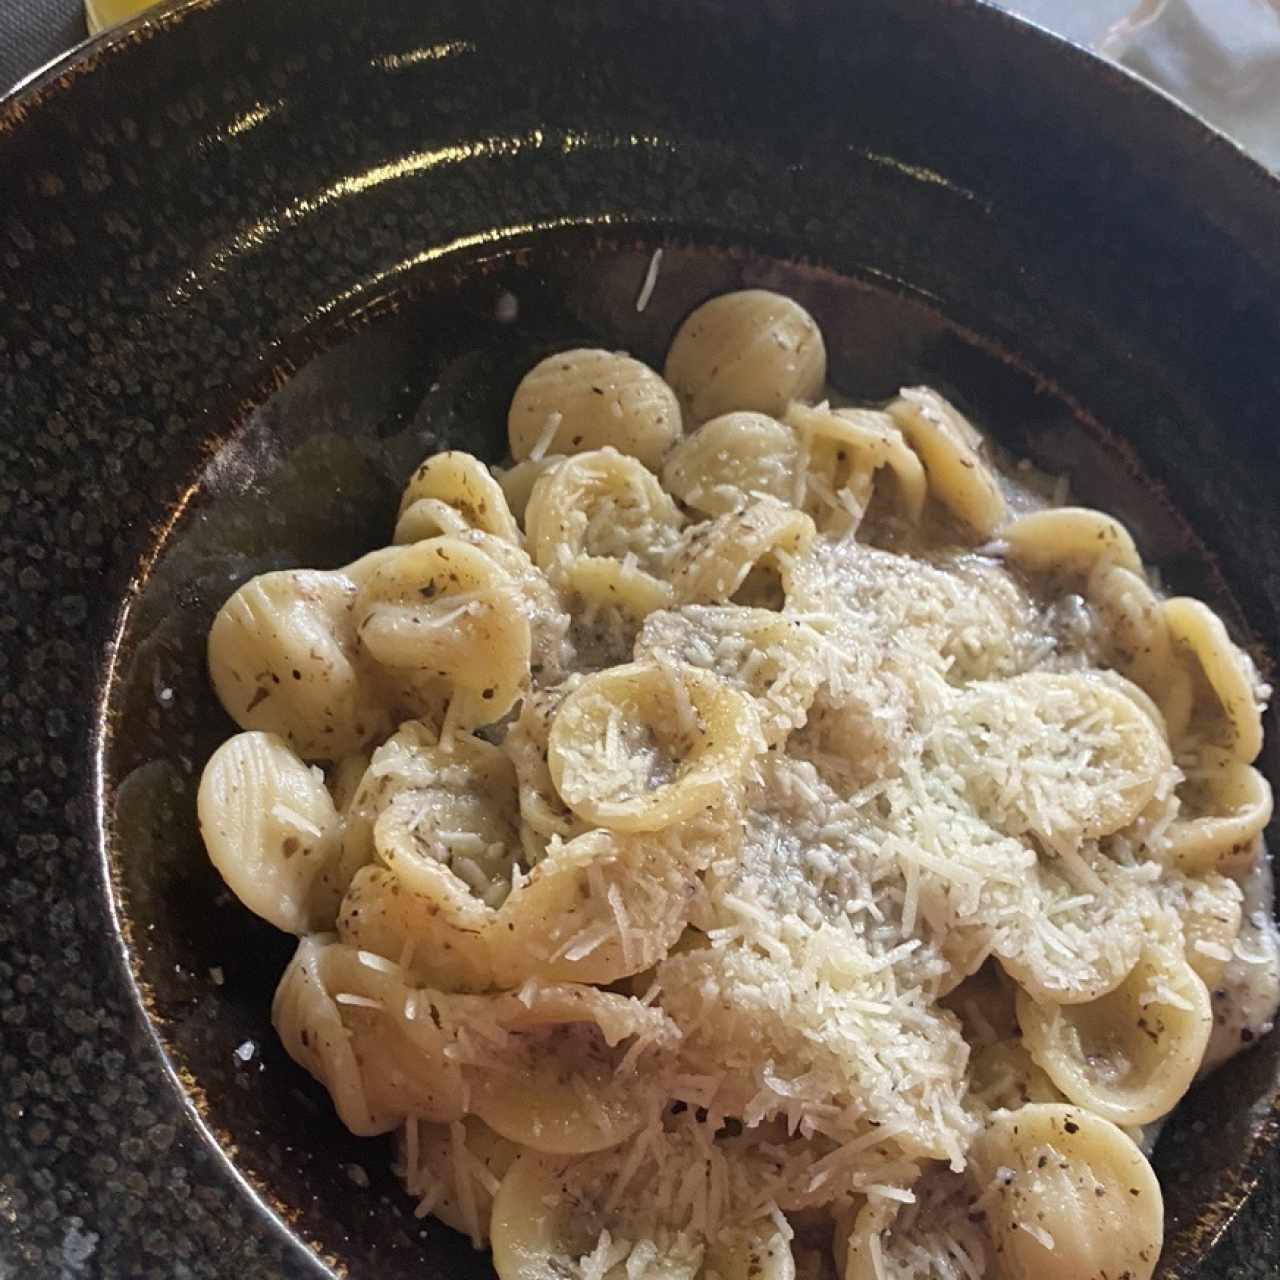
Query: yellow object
point(101, 14)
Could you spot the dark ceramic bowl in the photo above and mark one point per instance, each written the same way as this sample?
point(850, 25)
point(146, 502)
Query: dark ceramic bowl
point(249, 259)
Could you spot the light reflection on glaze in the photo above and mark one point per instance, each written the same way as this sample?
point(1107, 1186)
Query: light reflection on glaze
point(921, 173)
point(250, 119)
point(492, 236)
point(429, 53)
point(267, 227)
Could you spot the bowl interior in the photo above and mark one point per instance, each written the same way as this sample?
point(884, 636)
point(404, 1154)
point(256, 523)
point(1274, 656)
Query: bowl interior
point(307, 469)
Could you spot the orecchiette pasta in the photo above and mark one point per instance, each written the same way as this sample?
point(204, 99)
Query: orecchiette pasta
point(947, 446)
point(1130, 1055)
point(283, 658)
point(463, 485)
point(587, 399)
point(602, 526)
point(715, 559)
point(843, 449)
point(730, 460)
point(273, 832)
point(429, 613)
point(1226, 805)
point(754, 350)
point(1065, 1196)
point(642, 747)
point(788, 846)
point(1234, 721)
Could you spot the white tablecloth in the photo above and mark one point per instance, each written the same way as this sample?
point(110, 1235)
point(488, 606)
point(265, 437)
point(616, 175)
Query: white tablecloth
point(1220, 57)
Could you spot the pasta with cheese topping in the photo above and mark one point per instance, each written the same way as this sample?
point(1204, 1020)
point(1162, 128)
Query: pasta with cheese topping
point(748, 827)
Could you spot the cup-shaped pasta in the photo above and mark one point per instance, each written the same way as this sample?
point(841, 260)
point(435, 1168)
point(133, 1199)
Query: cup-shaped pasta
point(730, 460)
point(1066, 1196)
point(1230, 715)
point(592, 1214)
point(1068, 947)
point(456, 1170)
point(283, 658)
point(342, 1014)
point(935, 1236)
point(601, 525)
point(272, 831)
point(751, 350)
point(773, 658)
point(1070, 543)
point(603, 906)
point(1076, 757)
point(446, 621)
point(1135, 635)
point(465, 485)
point(1225, 805)
point(517, 481)
point(715, 558)
point(948, 447)
point(441, 938)
point(558, 1087)
point(542, 812)
point(344, 779)
point(1209, 910)
point(844, 450)
point(538, 600)
point(1131, 1055)
point(587, 399)
point(454, 833)
point(641, 747)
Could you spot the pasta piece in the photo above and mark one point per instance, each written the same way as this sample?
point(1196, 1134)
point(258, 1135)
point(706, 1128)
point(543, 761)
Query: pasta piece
point(549, 650)
point(445, 620)
point(600, 525)
point(423, 1053)
point(730, 460)
point(948, 448)
point(1066, 1196)
point(594, 909)
point(283, 658)
point(1068, 947)
point(456, 1169)
point(272, 831)
point(778, 661)
point(715, 559)
point(1225, 806)
point(344, 1021)
point(559, 1089)
point(640, 747)
point(1130, 1055)
point(345, 777)
point(752, 350)
point(1233, 719)
point(543, 813)
point(465, 486)
point(663, 1208)
point(1071, 542)
point(845, 449)
point(933, 1238)
point(1209, 910)
point(1077, 758)
point(428, 518)
point(1136, 635)
point(586, 399)
point(517, 481)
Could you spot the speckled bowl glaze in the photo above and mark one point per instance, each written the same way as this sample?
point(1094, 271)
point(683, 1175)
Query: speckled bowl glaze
point(249, 259)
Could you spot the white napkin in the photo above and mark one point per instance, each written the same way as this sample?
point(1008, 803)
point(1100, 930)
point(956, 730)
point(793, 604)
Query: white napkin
point(1220, 57)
